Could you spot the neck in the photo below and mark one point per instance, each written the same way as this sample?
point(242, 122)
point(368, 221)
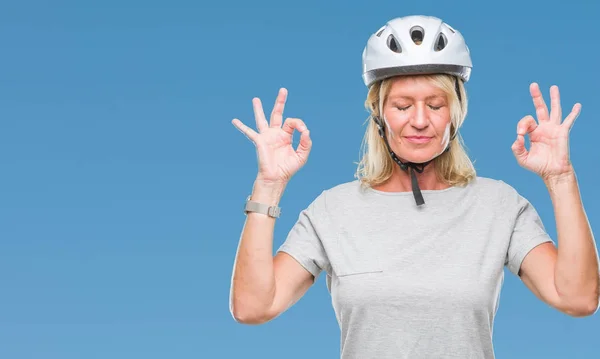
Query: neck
point(400, 180)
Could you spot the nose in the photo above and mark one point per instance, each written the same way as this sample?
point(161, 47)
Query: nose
point(420, 119)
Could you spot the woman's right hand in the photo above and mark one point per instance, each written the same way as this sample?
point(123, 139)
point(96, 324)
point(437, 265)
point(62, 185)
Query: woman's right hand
point(277, 159)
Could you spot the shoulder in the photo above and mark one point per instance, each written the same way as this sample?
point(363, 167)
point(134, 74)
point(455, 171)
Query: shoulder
point(338, 195)
point(492, 185)
point(344, 189)
point(502, 192)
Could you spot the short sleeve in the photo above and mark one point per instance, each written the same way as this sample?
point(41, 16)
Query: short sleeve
point(528, 231)
point(304, 243)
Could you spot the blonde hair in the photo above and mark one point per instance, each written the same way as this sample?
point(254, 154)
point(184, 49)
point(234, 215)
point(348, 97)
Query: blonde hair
point(453, 167)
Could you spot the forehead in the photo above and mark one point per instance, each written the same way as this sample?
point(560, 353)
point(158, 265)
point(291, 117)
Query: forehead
point(416, 87)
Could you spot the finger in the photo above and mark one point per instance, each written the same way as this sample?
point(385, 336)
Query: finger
point(250, 133)
point(305, 145)
point(519, 150)
point(541, 109)
point(570, 119)
point(293, 123)
point(259, 115)
point(555, 109)
point(277, 114)
point(526, 125)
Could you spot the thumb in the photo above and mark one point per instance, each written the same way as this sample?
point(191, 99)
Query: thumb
point(526, 125)
point(519, 150)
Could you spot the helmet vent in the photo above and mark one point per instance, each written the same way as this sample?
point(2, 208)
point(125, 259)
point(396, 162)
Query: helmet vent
point(378, 33)
point(393, 44)
point(417, 34)
point(441, 42)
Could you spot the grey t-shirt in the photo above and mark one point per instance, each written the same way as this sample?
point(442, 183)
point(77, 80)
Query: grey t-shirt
point(416, 282)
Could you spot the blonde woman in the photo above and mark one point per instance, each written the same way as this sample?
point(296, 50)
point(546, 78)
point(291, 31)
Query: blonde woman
point(414, 248)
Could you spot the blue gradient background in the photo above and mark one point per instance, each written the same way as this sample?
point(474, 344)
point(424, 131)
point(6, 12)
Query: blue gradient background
point(122, 178)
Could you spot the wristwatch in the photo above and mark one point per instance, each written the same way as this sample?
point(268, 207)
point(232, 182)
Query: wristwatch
point(253, 206)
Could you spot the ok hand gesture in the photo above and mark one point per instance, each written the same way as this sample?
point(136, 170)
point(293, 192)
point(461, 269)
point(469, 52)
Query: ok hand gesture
point(277, 159)
point(548, 155)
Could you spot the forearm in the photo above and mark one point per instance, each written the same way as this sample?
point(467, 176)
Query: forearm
point(253, 282)
point(576, 273)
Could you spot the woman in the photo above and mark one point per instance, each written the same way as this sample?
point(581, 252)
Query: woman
point(414, 249)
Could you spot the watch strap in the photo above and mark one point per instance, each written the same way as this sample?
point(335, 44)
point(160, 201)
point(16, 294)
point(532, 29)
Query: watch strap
point(253, 206)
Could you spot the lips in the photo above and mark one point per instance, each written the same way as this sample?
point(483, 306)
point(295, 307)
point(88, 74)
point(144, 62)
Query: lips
point(418, 139)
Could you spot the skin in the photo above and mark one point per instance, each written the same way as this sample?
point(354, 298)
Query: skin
point(567, 278)
point(263, 286)
point(415, 107)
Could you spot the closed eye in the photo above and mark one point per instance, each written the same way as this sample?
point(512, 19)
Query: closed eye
point(435, 108)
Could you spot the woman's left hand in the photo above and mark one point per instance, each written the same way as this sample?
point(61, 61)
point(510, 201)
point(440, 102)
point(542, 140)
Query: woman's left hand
point(548, 155)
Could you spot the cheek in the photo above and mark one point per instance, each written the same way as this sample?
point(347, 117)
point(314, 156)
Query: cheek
point(394, 122)
point(442, 123)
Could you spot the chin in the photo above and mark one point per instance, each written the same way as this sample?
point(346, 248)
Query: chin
point(420, 155)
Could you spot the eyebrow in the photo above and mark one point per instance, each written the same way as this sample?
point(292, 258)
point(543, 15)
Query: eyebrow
point(410, 98)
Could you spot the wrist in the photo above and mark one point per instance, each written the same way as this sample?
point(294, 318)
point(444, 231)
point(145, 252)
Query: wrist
point(563, 176)
point(267, 192)
point(556, 181)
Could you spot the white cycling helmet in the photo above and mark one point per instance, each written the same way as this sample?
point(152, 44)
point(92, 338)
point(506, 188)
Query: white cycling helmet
point(415, 45)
